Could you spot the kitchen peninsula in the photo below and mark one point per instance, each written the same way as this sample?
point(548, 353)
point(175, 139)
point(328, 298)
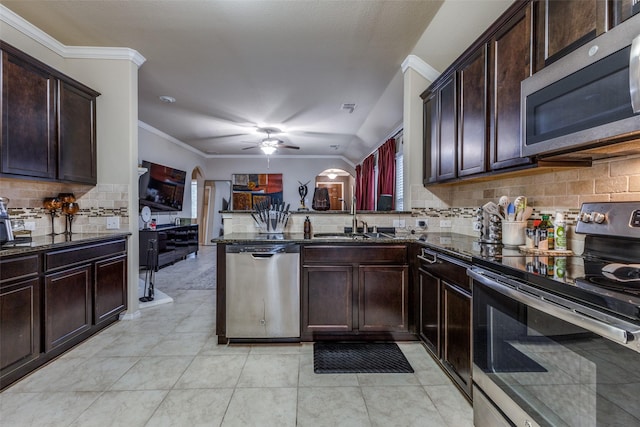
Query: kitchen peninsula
point(354, 287)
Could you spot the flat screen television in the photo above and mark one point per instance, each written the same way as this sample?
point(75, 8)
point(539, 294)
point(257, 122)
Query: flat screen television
point(162, 187)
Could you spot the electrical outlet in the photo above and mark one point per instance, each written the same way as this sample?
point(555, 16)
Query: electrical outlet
point(30, 225)
point(421, 222)
point(445, 223)
point(113, 222)
point(399, 223)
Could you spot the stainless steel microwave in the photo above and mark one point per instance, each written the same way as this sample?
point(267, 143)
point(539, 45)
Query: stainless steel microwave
point(588, 98)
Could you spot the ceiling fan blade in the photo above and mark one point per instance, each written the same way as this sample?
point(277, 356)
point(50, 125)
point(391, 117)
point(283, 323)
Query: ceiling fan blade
point(293, 147)
point(231, 135)
point(249, 148)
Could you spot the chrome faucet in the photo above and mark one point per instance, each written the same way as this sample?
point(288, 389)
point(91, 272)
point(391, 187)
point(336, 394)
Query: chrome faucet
point(354, 218)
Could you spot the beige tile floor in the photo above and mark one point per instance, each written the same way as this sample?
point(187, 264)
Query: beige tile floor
point(166, 369)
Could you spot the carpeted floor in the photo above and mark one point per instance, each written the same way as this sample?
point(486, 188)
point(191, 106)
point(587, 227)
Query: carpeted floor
point(192, 273)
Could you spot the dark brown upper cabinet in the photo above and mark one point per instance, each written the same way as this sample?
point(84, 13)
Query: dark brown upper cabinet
point(446, 163)
point(441, 132)
point(472, 113)
point(510, 59)
point(28, 119)
point(621, 10)
point(430, 132)
point(561, 26)
point(77, 134)
point(48, 122)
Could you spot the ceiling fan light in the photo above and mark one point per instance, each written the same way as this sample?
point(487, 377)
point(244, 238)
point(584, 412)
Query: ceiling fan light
point(268, 149)
point(332, 175)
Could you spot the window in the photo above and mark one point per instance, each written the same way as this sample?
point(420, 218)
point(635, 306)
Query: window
point(399, 182)
point(194, 199)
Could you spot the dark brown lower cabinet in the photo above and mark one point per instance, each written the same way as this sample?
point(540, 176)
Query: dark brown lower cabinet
point(429, 311)
point(326, 299)
point(383, 291)
point(109, 289)
point(67, 305)
point(51, 300)
point(456, 331)
point(444, 314)
point(355, 292)
point(19, 324)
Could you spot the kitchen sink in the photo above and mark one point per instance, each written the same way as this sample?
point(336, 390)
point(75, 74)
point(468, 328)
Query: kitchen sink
point(336, 235)
point(379, 235)
point(354, 236)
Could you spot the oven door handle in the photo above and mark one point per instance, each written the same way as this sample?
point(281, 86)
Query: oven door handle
point(550, 304)
point(634, 74)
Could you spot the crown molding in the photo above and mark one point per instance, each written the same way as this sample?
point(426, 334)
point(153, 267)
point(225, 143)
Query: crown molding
point(418, 65)
point(170, 138)
point(81, 52)
point(73, 52)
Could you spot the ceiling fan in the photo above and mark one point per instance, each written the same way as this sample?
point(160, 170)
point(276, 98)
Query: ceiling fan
point(269, 145)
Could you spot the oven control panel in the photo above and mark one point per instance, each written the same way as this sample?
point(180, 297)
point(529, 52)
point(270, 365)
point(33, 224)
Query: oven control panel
point(621, 219)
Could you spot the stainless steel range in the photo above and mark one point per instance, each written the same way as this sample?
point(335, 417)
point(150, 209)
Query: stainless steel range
point(557, 340)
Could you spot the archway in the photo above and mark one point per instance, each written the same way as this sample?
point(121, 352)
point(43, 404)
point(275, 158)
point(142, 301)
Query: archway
point(195, 212)
point(340, 184)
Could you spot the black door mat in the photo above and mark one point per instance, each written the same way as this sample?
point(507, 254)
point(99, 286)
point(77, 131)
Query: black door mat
point(353, 358)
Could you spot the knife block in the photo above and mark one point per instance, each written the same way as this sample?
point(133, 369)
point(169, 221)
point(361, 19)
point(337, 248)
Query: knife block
point(276, 222)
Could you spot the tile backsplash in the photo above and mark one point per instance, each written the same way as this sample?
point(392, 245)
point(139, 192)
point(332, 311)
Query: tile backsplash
point(547, 191)
point(96, 204)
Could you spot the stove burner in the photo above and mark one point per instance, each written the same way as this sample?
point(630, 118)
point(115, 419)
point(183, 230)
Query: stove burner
point(622, 272)
point(629, 287)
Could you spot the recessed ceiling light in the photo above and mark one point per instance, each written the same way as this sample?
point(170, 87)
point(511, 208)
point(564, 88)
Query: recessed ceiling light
point(167, 99)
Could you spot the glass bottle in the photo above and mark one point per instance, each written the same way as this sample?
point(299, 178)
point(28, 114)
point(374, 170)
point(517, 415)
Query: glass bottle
point(307, 228)
point(543, 229)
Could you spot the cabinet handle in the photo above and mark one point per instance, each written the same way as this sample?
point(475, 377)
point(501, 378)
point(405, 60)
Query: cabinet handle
point(430, 261)
point(428, 256)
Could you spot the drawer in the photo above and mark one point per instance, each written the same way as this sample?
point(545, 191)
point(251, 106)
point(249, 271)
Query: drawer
point(387, 254)
point(19, 267)
point(83, 253)
point(446, 268)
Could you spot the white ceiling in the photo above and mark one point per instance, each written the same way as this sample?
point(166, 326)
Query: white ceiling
point(234, 65)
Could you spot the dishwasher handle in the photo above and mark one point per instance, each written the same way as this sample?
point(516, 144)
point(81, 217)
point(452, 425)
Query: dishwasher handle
point(259, 255)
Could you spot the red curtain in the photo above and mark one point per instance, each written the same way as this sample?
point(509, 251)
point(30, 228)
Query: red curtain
point(358, 194)
point(387, 169)
point(367, 194)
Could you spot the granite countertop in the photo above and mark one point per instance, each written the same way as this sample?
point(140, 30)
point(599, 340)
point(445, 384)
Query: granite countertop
point(324, 238)
point(311, 211)
point(457, 245)
point(39, 243)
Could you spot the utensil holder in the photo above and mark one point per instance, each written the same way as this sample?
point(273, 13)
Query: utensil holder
point(513, 233)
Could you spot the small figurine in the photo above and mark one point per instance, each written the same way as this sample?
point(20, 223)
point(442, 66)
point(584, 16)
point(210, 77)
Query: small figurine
point(303, 191)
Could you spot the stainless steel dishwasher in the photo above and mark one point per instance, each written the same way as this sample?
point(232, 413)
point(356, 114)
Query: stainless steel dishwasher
point(263, 291)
